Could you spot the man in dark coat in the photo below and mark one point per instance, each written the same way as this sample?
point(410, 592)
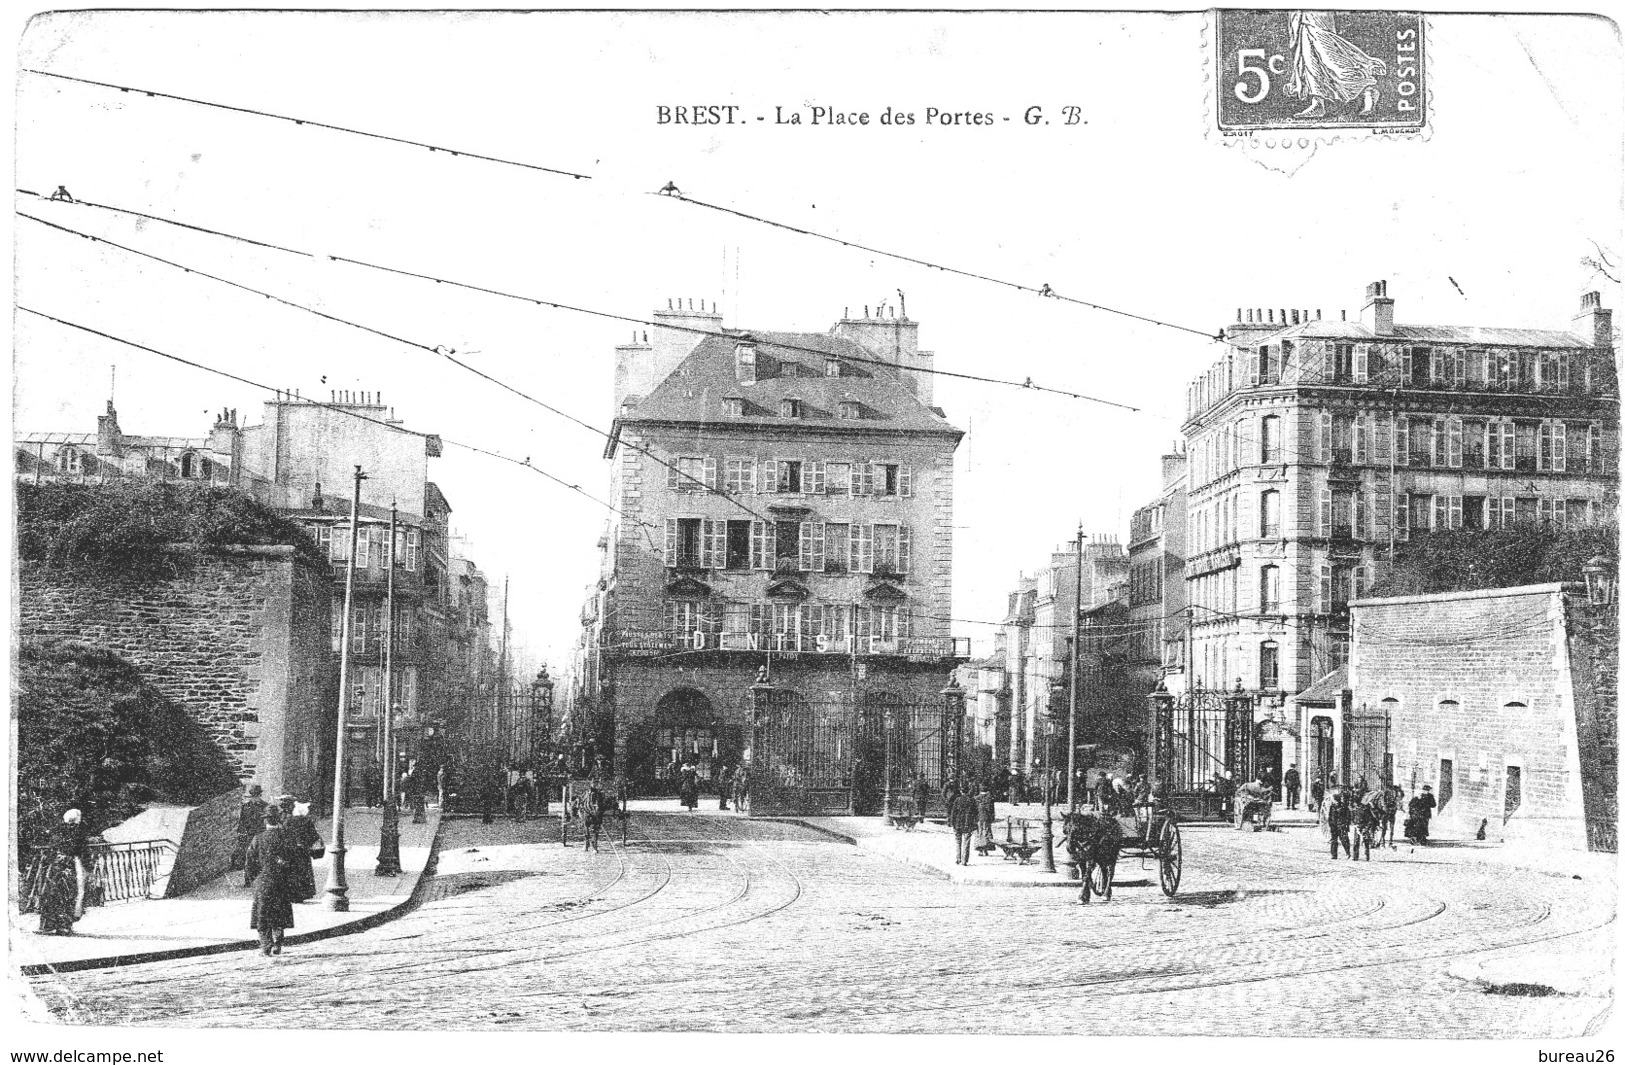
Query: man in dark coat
point(306, 843)
point(250, 820)
point(962, 815)
point(1339, 818)
point(984, 820)
point(1420, 813)
point(1317, 795)
point(270, 864)
point(1294, 786)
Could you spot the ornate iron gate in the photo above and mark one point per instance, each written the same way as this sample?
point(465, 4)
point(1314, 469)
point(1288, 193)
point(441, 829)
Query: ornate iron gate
point(1365, 747)
point(829, 752)
point(1201, 735)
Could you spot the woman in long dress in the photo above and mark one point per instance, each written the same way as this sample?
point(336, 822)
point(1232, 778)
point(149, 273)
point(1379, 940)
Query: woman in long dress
point(271, 863)
point(307, 845)
point(67, 871)
point(688, 785)
point(1327, 66)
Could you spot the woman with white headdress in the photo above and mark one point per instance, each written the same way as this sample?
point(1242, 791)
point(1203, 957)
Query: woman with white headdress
point(62, 897)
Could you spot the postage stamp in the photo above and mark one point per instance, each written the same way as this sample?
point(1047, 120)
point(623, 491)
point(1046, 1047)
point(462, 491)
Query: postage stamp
point(1319, 70)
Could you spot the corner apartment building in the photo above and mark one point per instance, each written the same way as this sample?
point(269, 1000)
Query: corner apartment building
point(1315, 445)
point(785, 521)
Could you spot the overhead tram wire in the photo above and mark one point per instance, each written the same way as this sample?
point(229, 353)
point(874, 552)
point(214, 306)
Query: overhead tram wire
point(337, 408)
point(1038, 290)
point(173, 222)
point(440, 350)
point(314, 123)
point(671, 193)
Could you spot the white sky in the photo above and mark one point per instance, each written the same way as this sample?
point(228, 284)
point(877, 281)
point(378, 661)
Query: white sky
point(1138, 209)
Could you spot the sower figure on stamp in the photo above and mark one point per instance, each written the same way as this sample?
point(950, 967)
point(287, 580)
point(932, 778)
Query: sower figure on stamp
point(1326, 66)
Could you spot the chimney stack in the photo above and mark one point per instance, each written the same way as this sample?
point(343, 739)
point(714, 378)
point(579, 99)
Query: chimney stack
point(1595, 323)
point(1378, 313)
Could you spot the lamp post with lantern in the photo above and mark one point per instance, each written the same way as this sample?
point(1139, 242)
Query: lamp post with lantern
point(1601, 581)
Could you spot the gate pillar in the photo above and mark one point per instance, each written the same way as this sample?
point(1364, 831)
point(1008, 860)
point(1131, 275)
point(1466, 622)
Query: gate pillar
point(760, 698)
point(1162, 747)
point(1238, 735)
point(953, 733)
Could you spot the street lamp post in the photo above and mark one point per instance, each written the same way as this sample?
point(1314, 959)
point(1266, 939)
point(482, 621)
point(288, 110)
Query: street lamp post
point(1049, 797)
point(338, 890)
point(389, 833)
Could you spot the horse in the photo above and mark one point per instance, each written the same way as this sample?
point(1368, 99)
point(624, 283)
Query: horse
point(1092, 842)
point(1385, 802)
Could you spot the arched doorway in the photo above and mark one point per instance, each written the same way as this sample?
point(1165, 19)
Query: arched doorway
point(683, 727)
point(1322, 767)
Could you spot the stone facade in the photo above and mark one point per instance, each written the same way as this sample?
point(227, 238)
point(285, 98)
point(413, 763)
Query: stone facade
point(784, 503)
point(1318, 442)
point(239, 639)
point(1479, 689)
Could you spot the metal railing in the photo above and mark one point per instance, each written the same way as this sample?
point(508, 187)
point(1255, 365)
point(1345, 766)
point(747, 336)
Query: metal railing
point(119, 872)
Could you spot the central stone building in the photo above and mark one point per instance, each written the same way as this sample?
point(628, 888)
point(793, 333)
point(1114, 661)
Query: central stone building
point(776, 585)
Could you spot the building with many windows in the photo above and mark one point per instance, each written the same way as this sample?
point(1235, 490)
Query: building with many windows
point(300, 459)
point(1316, 446)
point(785, 520)
point(1156, 583)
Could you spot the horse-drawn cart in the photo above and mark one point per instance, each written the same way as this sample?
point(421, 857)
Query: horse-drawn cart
point(588, 803)
point(1150, 833)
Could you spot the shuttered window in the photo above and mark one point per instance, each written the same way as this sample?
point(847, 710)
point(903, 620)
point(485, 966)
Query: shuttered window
point(812, 546)
point(863, 548)
point(763, 544)
point(1362, 363)
point(813, 478)
point(1402, 440)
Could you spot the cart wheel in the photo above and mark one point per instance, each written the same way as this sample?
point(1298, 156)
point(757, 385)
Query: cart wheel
point(1171, 858)
point(1099, 879)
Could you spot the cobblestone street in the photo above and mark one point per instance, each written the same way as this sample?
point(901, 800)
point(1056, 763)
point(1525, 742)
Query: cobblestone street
point(706, 922)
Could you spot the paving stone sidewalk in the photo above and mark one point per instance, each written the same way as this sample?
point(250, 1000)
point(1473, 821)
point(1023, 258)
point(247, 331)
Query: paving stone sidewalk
point(214, 918)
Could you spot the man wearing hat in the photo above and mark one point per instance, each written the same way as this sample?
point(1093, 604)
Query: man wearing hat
point(250, 821)
point(1425, 804)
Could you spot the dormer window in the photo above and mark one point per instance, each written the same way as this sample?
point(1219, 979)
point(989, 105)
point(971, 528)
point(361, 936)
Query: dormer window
point(789, 408)
point(848, 410)
point(733, 406)
point(745, 363)
point(832, 368)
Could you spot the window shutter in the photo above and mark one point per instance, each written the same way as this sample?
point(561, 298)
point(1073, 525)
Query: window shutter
point(1405, 368)
point(709, 473)
point(1492, 445)
point(1402, 440)
point(1324, 605)
point(719, 544)
point(758, 545)
point(1492, 512)
point(673, 478)
point(865, 622)
point(1362, 439)
point(862, 477)
point(1560, 447)
point(1402, 516)
point(1382, 506)
point(1361, 515)
point(1439, 452)
point(818, 545)
point(1252, 368)
point(671, 541)
point(1323, 519)
point(864, 546)
point(1560, 512)
point(1441, 513)
point(812, 478)
point(1437, 372)
point(1563, 372)
point(1458, 368)
point(1595, 462)
point(1453, 444)
point(1509, 446)
point(1362, 363)
point(805, 548)
point(362, 543)
point(904, 549)
point(1455, 512)
point(1325, 436)
point(905, 480)
point(1380, 442)
point(770, 477)
point(413, 538)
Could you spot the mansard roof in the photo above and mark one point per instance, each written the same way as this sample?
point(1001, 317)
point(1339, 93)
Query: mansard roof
point(1497, 336)
point(695, 390)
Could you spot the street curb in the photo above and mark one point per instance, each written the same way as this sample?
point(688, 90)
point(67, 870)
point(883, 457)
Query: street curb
point(915, 863)
point(372, 920)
